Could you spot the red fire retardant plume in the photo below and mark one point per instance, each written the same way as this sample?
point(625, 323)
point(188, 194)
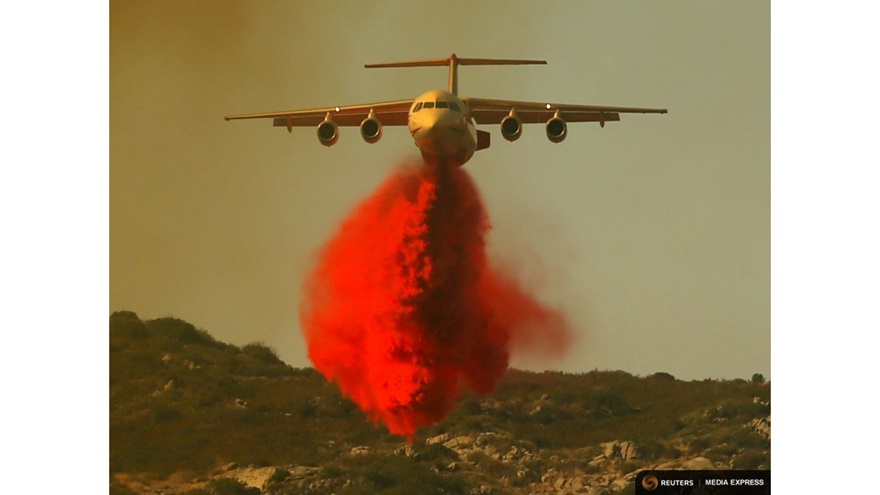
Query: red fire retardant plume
point(403, 311)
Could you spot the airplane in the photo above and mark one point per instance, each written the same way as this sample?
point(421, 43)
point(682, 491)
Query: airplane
point(442, 123)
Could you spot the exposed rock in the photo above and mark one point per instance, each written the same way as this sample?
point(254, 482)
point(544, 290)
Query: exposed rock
point(279, 475)
point(459, 442)
point(616, 449)
point(516, 453)
point(668, 465)
point(251, 476)
point(621, 483)
point(577, 483)
point(442, 438)
point(360, 450)
point(406, 450)
point(698, 464)
point(610, 448)
point(302, 471)
point(629, 450)
point(548, 476)
point(761, 426)
point(320, 485)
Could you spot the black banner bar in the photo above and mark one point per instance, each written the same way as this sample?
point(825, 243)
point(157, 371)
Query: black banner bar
point(721, 482)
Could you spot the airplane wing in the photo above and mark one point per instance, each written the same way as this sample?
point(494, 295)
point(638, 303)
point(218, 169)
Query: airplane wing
point(489, 111)
point(388, 113)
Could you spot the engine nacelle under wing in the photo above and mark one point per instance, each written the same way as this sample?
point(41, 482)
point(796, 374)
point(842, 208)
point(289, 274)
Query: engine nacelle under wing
point(511, 126)
point(328, 131)
point(371, 128)
point(557, 129)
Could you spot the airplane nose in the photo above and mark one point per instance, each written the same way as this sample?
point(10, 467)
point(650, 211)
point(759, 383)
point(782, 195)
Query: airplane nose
point(427, 128)
point(442, 123)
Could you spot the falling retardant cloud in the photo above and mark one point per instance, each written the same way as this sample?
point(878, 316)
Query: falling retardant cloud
point(404, 311)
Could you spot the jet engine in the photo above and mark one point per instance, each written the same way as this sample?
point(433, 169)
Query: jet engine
point(511, 126)
point(328, 131)
point(371, 128)
point(556, 128)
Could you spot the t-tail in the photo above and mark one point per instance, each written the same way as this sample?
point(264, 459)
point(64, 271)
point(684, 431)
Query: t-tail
point(453, 62)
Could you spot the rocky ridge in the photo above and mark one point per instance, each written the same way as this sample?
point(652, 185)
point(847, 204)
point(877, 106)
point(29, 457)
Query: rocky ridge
point(190, 415)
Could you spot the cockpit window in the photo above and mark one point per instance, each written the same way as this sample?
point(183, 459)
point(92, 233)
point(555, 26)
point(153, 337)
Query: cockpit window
point(436, 104)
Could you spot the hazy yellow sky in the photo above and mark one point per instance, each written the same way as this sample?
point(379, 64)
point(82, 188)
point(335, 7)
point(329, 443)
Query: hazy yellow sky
point(652, 234)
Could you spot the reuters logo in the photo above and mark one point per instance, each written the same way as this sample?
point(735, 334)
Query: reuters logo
point(650, 482)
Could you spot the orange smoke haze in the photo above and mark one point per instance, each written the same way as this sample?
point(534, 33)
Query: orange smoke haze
point(403, 310)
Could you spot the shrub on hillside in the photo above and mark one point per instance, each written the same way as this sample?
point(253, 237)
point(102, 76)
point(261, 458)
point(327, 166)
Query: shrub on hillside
point(436, 454)
point(229, 486)
point(181, 332)
point(261, 352)
point(662, 375)
point(611, 403)
point(127, 324)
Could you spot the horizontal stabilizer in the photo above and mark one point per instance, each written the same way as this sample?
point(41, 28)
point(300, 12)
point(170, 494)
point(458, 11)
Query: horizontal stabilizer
point(444, 62)
point(453, 62)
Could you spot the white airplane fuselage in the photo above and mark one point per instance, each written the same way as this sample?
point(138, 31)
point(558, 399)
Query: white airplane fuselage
point(442, 128)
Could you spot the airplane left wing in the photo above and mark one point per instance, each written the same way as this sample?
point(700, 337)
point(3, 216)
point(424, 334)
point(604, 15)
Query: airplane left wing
point(388, 113)
point(490, 111)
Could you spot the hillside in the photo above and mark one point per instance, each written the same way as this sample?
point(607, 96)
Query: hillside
point(190, 414)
